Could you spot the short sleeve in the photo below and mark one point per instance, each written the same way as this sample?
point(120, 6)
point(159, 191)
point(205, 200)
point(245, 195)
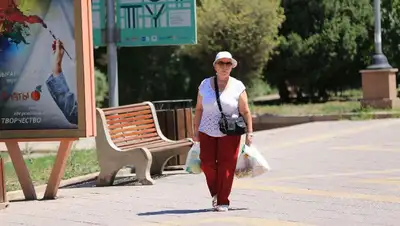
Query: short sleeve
point(202, 87)
point(240, 87)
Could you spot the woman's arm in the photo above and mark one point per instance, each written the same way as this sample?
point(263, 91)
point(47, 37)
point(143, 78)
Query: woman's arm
point(197, 117)
point(63, 97)
point(244, 110)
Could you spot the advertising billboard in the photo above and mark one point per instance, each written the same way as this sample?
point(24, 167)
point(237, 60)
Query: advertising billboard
point(46, 69)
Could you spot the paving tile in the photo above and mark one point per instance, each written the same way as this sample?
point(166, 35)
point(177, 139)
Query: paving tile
point(329, 173)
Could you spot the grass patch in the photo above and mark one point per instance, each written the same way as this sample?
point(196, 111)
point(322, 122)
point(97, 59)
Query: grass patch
point(4, 156)
point(79, 163)
point(346, 94)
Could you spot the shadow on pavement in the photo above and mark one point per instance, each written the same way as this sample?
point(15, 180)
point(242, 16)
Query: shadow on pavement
point(22, 200)
point(181, 212)
point(119, 181)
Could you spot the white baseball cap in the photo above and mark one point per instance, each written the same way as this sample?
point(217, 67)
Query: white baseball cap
point(225, 55)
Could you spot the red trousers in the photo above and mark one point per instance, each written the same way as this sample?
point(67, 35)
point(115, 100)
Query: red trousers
point(218, 157)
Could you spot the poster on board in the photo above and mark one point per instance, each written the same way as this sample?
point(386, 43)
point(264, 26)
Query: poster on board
point(38, 65)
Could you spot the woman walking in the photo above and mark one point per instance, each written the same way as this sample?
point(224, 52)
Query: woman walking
point(220, 146)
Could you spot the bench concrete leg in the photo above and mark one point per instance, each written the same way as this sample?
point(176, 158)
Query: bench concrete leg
point(106, 177)
point(142, 167)
point(143, 175)
point(140, 158)
point(160, 159)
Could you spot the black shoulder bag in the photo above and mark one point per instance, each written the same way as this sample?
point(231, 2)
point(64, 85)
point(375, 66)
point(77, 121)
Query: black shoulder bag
point(228, 125)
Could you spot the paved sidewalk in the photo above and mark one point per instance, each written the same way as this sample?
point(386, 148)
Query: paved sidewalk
point(326, 173)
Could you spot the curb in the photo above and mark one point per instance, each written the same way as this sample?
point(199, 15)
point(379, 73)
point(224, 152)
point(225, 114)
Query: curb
point(18, 195)
point(268, 121)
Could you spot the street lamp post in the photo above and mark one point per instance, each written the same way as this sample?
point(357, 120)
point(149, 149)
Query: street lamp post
point(112, 56)
point(379, 60)
point(379, 80)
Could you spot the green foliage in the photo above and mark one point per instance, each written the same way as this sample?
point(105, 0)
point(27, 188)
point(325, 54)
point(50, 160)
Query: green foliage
point(391, 31)
point(324, 44)
point(316, 47)
point(248, 29)
point(257, 88)
point(101, 87)
point(151, 73)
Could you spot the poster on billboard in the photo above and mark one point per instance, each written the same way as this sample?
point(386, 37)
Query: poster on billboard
point(46, 69)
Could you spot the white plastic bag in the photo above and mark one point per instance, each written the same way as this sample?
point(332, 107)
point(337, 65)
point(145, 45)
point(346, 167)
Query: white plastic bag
point(250, 163)
point(193, 160)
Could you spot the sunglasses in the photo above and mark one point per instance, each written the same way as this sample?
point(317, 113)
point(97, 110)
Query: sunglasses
point(224, 63)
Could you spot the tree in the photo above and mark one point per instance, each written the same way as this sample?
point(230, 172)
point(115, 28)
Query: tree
point(101, 89)
point(248, 29)
point(324, 45)
point(147, 73)
point(390, 31)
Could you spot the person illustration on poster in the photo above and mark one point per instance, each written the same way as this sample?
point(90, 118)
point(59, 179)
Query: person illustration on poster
point(58, 87)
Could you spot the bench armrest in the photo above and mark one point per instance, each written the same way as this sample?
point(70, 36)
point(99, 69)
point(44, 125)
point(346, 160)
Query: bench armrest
point(103, 137)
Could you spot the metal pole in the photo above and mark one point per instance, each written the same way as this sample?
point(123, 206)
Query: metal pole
point(379, 59)
point(112, 57)
point(378, 30)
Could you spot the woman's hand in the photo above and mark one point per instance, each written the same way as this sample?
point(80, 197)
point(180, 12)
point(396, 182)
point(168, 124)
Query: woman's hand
point(249, 139)
point(245, 112)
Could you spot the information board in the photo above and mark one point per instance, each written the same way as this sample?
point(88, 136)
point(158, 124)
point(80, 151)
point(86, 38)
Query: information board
point(99, 22)
point(156, 22)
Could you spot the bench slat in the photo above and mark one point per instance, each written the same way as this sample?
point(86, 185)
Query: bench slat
point(166, 143)
point(128, 115)
point(125, 109)
point(124, 123)
point(138, 142)
point(131, 128)
point(132, 123)
point(125, 119)
point(159, 146)
point(138, 137)
point(170, 146)
point(155, 145)
point(134, 134)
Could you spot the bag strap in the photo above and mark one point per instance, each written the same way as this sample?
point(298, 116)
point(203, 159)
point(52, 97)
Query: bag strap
point(217, 95)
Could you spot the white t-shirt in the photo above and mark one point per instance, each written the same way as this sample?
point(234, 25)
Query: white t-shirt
point(229, 99)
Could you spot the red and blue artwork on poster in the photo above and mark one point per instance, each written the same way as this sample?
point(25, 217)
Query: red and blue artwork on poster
point(38, 84)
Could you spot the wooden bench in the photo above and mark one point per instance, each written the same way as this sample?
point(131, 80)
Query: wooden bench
point(130, 135)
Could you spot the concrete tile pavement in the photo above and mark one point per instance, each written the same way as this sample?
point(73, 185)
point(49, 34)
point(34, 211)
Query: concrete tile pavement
point(312, 182)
